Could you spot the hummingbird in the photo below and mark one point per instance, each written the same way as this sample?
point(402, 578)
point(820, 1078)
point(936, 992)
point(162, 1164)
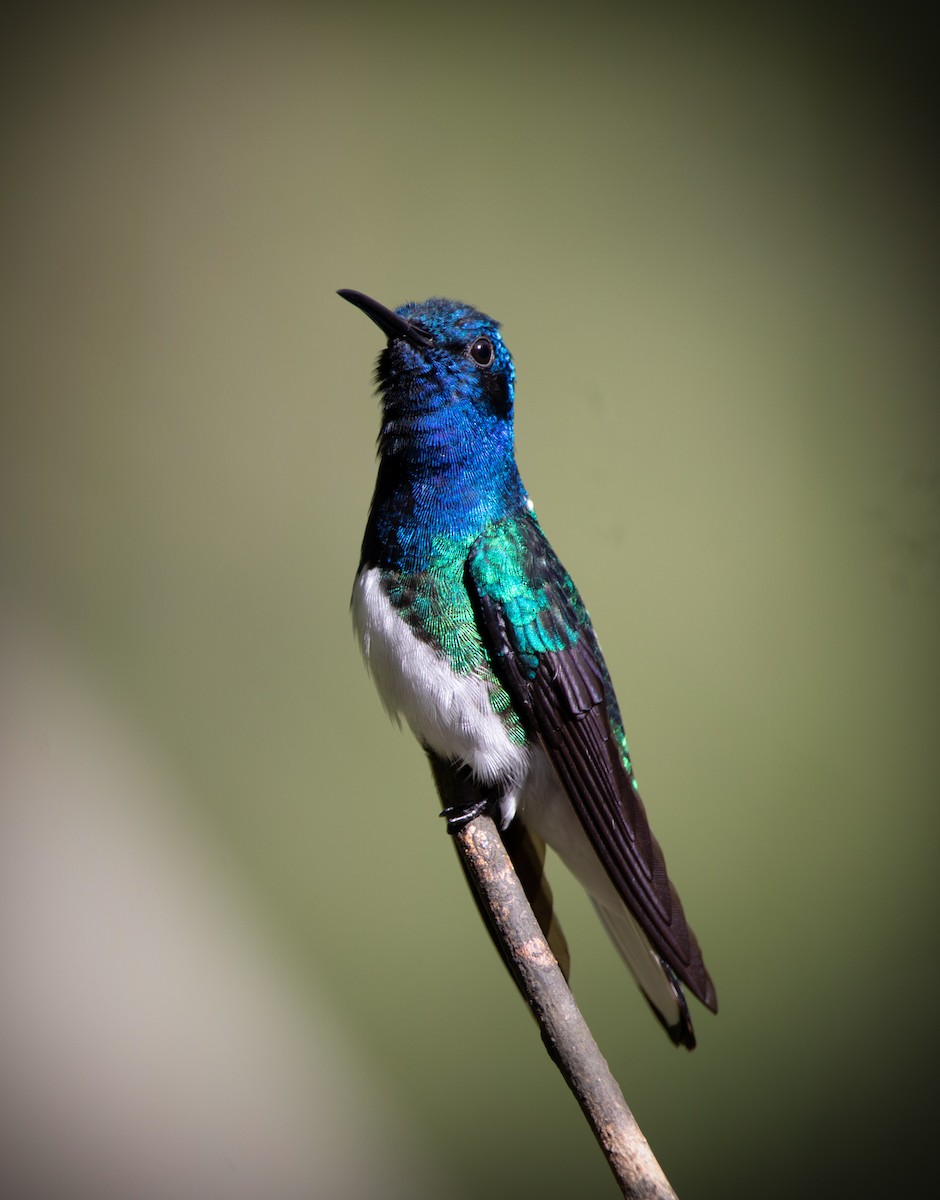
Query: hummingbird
point(475, 634)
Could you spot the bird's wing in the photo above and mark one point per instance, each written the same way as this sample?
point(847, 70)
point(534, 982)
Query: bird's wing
point(544, 650)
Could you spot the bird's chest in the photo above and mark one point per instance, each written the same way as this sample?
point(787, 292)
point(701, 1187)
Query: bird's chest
point(423, 650)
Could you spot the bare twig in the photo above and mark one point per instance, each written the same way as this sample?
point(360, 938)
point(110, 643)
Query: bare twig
point(565, 1032)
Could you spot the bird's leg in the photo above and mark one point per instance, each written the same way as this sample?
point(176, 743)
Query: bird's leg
point(465, 798)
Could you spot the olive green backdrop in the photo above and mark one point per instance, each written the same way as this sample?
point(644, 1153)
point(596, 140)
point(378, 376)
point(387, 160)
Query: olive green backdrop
point(711, 240)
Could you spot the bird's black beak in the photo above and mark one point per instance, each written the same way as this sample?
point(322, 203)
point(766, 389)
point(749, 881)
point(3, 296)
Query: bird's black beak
point(391, 324)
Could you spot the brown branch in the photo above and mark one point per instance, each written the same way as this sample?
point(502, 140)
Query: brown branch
point(565, 1032)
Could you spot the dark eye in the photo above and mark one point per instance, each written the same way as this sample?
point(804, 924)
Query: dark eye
point(481, 351)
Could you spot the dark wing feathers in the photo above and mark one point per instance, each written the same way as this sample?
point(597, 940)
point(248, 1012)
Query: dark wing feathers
point(545, 653)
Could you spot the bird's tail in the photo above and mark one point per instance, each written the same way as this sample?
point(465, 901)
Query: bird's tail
point(656, 980)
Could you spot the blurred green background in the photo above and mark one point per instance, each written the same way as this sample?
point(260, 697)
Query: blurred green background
point(711, 238)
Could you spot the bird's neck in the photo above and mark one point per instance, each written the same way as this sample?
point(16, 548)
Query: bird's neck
point(435, 495)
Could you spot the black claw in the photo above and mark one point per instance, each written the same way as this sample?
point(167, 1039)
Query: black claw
point(469, 797)
point(459, 815)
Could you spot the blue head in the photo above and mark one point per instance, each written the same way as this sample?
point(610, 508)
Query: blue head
point(447, 467)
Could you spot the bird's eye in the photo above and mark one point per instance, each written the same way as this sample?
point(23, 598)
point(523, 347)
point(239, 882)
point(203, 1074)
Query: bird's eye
point(481, 351)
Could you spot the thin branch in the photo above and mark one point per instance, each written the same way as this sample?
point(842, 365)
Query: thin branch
point(565, 1032)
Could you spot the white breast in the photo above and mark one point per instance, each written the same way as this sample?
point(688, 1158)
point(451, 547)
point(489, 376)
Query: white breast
point(450, 714)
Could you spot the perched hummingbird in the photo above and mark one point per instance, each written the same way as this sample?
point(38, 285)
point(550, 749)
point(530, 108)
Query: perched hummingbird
point(474, 632)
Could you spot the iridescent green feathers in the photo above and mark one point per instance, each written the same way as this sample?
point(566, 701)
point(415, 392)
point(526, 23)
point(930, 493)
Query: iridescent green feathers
point(512, 569)
point(544, 651)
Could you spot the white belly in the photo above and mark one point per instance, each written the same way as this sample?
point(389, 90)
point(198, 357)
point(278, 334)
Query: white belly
point(449, 713)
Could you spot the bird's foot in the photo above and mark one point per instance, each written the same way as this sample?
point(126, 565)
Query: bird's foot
point(459, 815)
